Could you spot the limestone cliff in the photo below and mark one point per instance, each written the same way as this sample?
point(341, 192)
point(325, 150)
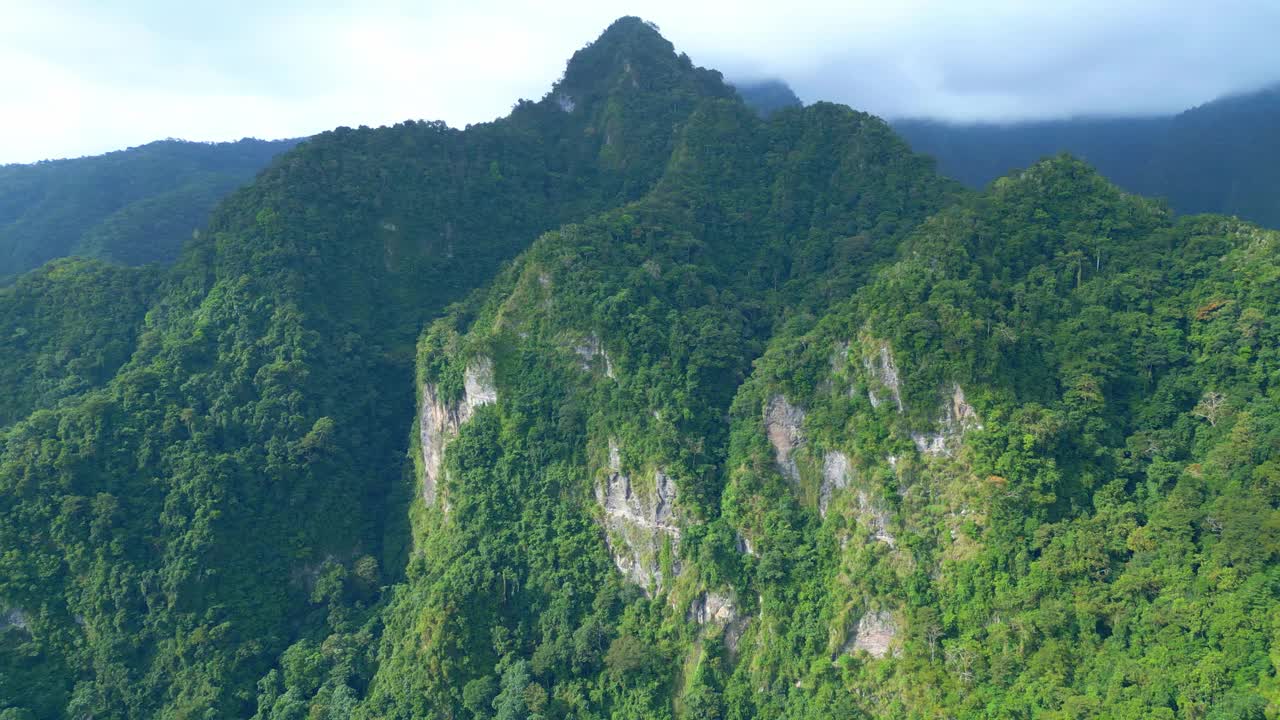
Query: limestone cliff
point(439, 420)
point(640, 524)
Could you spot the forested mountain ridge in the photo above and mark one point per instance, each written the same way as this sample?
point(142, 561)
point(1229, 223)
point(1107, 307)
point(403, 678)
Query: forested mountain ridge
point(1042, 439)
point(219, 461)
point(1218, 157)
point(615, 346)
point(635, 404)
point(132, 207)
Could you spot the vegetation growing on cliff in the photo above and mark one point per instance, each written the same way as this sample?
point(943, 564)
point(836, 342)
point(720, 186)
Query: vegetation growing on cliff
point(737, 417)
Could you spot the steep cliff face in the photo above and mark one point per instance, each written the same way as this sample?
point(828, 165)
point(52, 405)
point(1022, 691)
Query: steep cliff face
point(882, 374)
point(784, 424)
point(641, 524)
point(717, 612)
point(875, 634)
point(439, 420)
point(957, 417)
point(835, 477)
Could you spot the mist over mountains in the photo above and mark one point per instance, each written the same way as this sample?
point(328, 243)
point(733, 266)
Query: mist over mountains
point(1216, 157)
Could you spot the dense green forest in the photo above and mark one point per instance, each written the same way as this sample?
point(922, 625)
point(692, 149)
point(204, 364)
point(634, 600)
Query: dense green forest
point(1220, 157)
point(637, 403)
point(132, 207)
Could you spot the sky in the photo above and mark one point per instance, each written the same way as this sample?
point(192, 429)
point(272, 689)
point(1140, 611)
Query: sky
point(83, 78)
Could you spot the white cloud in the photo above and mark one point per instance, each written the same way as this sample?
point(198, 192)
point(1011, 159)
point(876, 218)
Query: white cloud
point(83, 78)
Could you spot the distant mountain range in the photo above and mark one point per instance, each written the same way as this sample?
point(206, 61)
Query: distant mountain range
point(141, 205)
point(1221, 157)
point(133, 206)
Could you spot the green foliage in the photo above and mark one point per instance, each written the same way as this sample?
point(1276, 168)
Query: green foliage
point(1219, 157)
point(182, 524)
point(67, 328)
point(133, 207)
point(734, 418)
point(633, 327)
point(1049, 561)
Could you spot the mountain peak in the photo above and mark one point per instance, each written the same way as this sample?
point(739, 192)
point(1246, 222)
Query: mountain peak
point(631, 55)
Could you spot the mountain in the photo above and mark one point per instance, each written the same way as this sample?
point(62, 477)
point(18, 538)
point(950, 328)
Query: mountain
point(637, 404)
point(768, 96)
point(224, 472)
point(1005, 461)
point(611, 351)
point(1219, 157)
point(133, 207)
point(1120, 148)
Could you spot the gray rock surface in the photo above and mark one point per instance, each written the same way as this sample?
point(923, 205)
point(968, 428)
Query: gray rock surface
point(875, 634)
point(439, 421)
point(783, 423)
point(957, 417)
point(835, 477)
point(638, 524)
point(883, 373)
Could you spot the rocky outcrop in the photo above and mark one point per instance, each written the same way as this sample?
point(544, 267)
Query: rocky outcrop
point(957, 417)
point(783, 424)
point(440, 420)
point(589, 349)
point(719, 611)
point(638, 524)
point(713, 607)
point(882, 373)
point(835, 476)
point(875, 519)
point(875, 634)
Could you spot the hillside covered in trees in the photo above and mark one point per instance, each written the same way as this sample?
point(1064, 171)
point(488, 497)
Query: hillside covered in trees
point(1220, 157)
point(637, 404)
point(131, 207)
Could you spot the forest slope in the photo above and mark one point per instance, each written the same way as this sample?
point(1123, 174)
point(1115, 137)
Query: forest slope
point(132, 207)
point(634, 404)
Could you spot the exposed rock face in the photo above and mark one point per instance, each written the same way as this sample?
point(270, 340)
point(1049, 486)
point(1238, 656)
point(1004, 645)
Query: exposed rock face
point(718, 610)
point(883, 373)
point(439, 421)
point(712, 607)
point(875, 519)
point(637, 525)
point(477, 380)
point(957, 417)
point(783, 423)
point(875, 634)
point(835, 476)
point(589, 349)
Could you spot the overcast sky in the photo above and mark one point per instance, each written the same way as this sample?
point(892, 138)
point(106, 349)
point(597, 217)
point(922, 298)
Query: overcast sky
point(87, 77)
